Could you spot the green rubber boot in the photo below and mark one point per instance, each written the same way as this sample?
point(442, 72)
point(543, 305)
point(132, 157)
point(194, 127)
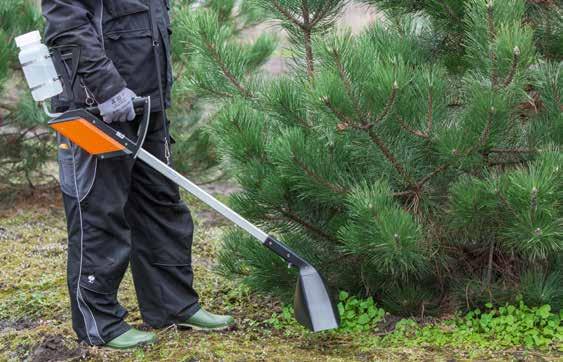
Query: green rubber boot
point(131, 339)
point(205, 321)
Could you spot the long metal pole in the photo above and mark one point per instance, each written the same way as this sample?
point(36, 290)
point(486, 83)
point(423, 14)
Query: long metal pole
point(198, 192)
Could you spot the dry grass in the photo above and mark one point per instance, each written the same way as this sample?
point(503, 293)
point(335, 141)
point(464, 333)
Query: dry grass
point(35, 320)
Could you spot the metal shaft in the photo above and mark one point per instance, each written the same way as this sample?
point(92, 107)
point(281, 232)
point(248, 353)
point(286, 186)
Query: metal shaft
point(198, 192)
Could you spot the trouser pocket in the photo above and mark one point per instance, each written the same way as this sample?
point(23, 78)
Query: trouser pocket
point(175, 248)
point(77, 169)
point(161, 223)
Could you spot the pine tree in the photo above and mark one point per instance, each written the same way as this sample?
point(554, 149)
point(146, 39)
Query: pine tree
point(544, 16)
point(25, 145)
point(396, 175)
point(194, 152)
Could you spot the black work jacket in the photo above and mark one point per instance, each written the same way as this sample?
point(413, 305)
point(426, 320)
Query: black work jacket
point(116, 41)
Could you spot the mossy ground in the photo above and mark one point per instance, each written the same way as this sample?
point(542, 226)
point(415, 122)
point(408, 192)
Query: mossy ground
point(35, 316)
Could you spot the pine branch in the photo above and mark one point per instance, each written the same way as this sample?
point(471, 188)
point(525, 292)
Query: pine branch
point(389, 105)
point(288, 16)
point(237, 125)
point(513, 67)
point(10, 162)
point(320, 15)
point(306, 28)
point(307, 225)
point(490, 264)
point(217, 57)
point(302, 121)
point(309, 55)
point(346, 81)
point(491, 20)
point(307, 40)
point(506, 163)
point(28, 179)
point(494, 74)
point(39, 136)
point(11, 107)
point(449, 10)
point(23, 134)
point(534, 203)
point(430, 117)
point(492, 36)
point(388, 155)
point(402, 193)
point(507, 203)
point(180, 72)
point(306, 14)
point(411, 130)
point(334, 188)
point(487, 130)
point(345, 122)
point(512, 150)
point(367, 127)
point(215, 92)
point(428, 177)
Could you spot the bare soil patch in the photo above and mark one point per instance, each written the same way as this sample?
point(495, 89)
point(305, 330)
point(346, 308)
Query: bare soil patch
point(42, 197)
point(53, 348)
point(18, 325)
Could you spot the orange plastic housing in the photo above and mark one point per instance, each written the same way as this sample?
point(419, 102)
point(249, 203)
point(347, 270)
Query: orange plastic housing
point(87, 136)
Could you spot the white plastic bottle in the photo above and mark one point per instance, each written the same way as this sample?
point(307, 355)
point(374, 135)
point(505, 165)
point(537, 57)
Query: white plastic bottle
point(38, 67)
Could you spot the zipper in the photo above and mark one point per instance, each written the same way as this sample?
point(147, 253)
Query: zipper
point(166, 148)
point(155, 33)
point(90, 99)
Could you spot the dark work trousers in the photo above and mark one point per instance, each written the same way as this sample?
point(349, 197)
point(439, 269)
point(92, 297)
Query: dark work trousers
point(119, 212)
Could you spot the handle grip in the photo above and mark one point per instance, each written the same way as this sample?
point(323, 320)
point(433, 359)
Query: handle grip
point(138, 104)
point(142, 106)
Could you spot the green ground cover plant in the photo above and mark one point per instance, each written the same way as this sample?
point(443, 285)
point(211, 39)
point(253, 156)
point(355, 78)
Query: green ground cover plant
point(494, 328)
point(356, 315)
point(499, 328)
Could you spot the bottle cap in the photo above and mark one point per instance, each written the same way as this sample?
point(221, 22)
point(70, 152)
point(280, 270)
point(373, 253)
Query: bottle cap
point(29, 38)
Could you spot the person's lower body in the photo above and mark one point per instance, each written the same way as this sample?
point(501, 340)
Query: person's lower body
point(119, 212)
